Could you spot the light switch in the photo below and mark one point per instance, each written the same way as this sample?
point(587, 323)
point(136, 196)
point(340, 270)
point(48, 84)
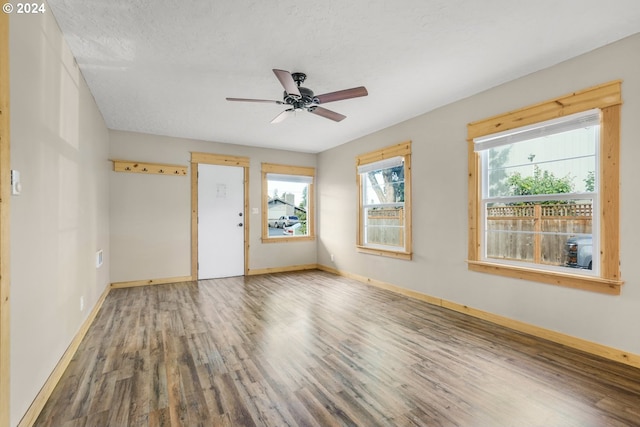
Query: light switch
point(255, 211)
point(16, 186)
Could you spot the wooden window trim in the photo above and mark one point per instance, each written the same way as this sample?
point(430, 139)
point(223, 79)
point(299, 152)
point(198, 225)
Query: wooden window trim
point(382, 252)
point(311, 220)
point(403, 149)
point(606, 97)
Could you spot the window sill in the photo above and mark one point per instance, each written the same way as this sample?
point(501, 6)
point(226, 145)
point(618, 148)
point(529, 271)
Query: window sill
point(287, 239)
point(382, 252)
point(588, 283)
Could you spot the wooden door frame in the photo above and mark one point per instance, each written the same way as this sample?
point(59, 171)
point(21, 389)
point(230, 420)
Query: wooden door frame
point(221, 160)
point(5, 197)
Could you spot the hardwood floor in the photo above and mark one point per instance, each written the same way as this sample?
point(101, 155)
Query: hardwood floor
point(313, 349)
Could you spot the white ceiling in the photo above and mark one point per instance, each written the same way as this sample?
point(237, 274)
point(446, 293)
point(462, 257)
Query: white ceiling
point(165, 66)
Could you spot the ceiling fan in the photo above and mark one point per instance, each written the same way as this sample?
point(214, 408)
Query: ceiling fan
point(299, 98)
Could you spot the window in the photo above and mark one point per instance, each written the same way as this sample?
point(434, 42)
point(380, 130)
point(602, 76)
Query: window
point(543, 192)
point(287, 203)
point(539, 189)
point(384, 208)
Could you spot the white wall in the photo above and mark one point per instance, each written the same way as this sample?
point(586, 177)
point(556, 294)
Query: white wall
point(151, 214)
point(59, 143)
point(439, 167)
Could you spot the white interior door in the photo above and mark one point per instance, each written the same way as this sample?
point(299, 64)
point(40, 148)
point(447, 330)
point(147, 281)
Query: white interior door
point(221, 221)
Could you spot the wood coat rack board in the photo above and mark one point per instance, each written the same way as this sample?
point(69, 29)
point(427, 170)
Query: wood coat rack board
point(148, 168)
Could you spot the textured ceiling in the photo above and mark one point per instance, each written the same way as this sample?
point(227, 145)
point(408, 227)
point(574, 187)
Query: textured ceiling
point(165, 66)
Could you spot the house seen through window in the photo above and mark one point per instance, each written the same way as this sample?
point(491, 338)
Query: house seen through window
point(288, 204)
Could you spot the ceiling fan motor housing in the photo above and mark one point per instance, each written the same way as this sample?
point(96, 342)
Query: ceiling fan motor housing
point(306, 99)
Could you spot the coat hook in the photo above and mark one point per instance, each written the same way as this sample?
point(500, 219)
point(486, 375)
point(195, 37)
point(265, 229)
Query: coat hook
point(127, 168)
point(161, 171)
point(144, 169)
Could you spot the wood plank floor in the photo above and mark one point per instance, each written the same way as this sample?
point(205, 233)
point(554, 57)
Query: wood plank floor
point(313, 349)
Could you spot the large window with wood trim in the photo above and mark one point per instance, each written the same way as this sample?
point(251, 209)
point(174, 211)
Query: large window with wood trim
point(287, 203)
point(541, 191)
point(384, 207)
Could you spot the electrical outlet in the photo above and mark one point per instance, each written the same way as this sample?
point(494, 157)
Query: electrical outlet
point(81, 303)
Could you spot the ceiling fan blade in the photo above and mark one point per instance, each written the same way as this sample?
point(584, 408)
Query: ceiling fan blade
point(267, 101)
point(286, 80)
point(342, 94)
point(280, 117)
point(328, 114)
